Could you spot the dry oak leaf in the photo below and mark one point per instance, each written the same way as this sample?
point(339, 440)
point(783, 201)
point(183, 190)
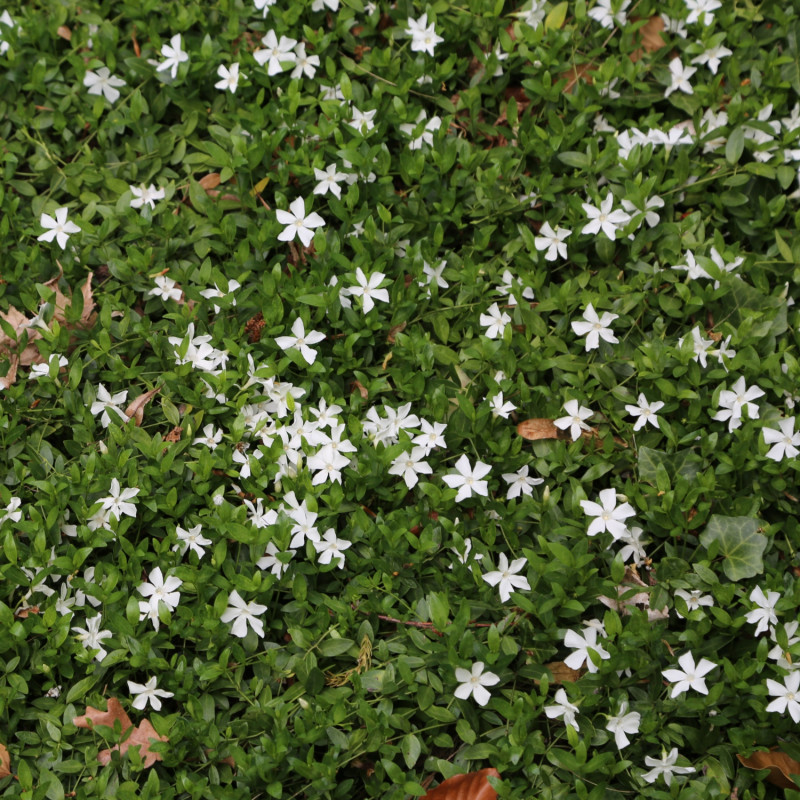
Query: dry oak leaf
point(5, 762)
point(136, 408)
point(561, 673)
point(470, 786)
point(650, 37)
point(625, 600)
point(780, 766)
point(142, 735)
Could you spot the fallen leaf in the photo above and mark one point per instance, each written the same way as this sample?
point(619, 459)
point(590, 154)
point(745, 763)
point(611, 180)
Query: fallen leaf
point(575, 74)
point(535, 429)
point(142, 736)
point(24, 613)
point(5, 762)
point(11, 376)
point(641, 600)
point(394, 330)
point(362, 390)
point(470, 786)
point(562, 673)
point(650, 37)
point(64, 32)
point(136, 408)
point(174, 435)
point(210, 181)
point(94, 716)
point(780, 766)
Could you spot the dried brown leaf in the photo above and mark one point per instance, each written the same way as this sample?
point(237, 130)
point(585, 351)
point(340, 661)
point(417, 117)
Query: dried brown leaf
point(362, 390)
point(572, 76)
point(394, 330)
point(142, 736)
point(11, 376)
point(535, 429)
point(174, 435)
point(780, 766)
point(210, 181)
point(471, 786)
point(23, 613)
point(650, 37)
point(94, 716)
point(136, 408)
point(5, 762)
point(639, 599)
point(64, 32)
point(562, 673)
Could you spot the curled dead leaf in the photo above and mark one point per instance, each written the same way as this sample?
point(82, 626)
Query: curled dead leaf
point(562, 673)
point(11, 376)
point(64, 32)
point(23, 613)
point(535, 429)
point(362, 390)
point(174, 435)
point(5, 762)
point(394, 330)
point(627, 598)
point(470, 786)
point(650, 37)
point(135, 410)
point(780, 766)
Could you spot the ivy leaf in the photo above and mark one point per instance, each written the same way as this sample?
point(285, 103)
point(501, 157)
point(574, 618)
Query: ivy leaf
point(740, 543)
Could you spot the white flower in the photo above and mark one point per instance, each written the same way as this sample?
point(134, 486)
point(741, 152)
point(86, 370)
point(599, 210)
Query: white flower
point(330, 548)
point(300, 340)
point(116, 504)
point(229, 78)
point(603, 218)
point(712, 57)
point(785, 442)
point(495, 321)
point(211, 436)
point(146, 195)
point(787, 697)
point(468, 480)
point(462, 559)
point(701, 11)
point(304, 64)
point(59, 228)
point(608, 515)
point(271, 561)
point(216, 292)
point(191, 539)
point(7, 20)
point(241, 614)
point(106, 401)
point(368, 290)
point(534, 15)
point(264, 5)
point(298, 223)
point(147, 692)
point(694, 599)
point(622, 724)
point(426, 137)
point(645, 412)
point(700, 346)
point(563, 709)
point(409, 465)
point(103, 82)
point(508, 284)
point(664, 766)
point(174, 55)
point(764, 615)
point(582, 645)
point(473, 682)
point(505, 577)
point(576, 414)
point(91, 637)
point(693, 269)
point(732, 402)
point(500, 407)
point(43, 370)
point(362, 121)
point(552, 241)
point(166, 289)
point(158, 589)
point(680, 77)
point(329, 181)
point(595, 328)
point(276, 52)
point(777, 653)
point(11, 512)
point(520, 483)
point(424, 37)
point(605, 14)
point(690, 675)
point(431, 435)
point(650, 206)
point(675, 26)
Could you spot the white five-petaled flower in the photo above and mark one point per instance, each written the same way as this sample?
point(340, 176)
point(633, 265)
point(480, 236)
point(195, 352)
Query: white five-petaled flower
point(624, 723)
point(277, 53)
point(106, 401)
point(304, 64)
point(298, 223)
point(91, 637)
point(192, 539)
point(563, 708)
point(609, 17)
point(368, 290)
point(43, 370)
point(595, 328)
point(271, 561)
point(330, 548)
point(300, 340)
point(229, 78)
point(576, 414)
point(690, 675)
point(694, 270)
point(581, 646)
point(329, 180)
point(211, 436)
point(468, 480)
point(59, 228)
point(712, 57)
point(553, 241)
point(116, 503)
point(158, 590)
point(664, 766)
point(694, 600)
point(241, 613)
point(147, 692)
point(787, 696)
point(505, 577)
point(166, 289)
point(679, 76)
point(701, 10)
point(426, 137)
point(603, 218)
point(520, 483)
point(645, 412)
point(146, 195)
point(473, 682)
point(423, 36)
point(608, 516)
point(495, 321)
point(174, 56)
point(500, 406)
point(103, 82)
point(732, 402)
point(409, 465)
point(785, 442)
point(764, 615)
point(11, 511)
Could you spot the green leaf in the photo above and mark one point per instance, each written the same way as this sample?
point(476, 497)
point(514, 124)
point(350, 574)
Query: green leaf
point(410, 748)
point(555, 19)
point(740, 544)
point(682, 464)
point(784, 248)
point(335, 647)
point(734, 146)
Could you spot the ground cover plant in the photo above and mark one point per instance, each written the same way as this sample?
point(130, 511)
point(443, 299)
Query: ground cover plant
point(399, 391)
